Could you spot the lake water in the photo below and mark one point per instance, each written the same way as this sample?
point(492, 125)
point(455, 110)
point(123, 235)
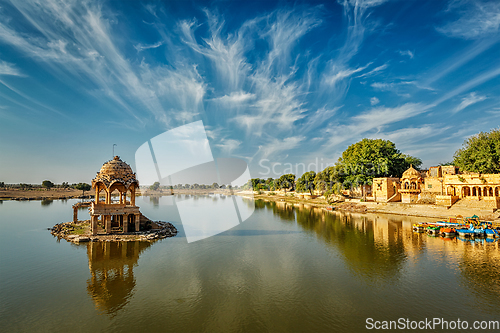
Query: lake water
point(286, 269)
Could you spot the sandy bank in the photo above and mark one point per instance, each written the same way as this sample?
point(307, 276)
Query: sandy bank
point(399, 208)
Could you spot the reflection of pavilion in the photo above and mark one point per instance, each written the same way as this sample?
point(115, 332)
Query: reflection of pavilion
point(112, 277)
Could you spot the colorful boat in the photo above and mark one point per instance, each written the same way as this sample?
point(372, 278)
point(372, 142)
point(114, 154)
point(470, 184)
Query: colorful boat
point(491, 233)
point(418, 227)
point(433, 230)
point(447, 232)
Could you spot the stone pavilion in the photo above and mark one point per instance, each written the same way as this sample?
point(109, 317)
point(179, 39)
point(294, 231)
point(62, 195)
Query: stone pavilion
point(122, 215)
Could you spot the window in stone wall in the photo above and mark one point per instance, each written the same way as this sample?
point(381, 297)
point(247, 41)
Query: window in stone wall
point(429, 186)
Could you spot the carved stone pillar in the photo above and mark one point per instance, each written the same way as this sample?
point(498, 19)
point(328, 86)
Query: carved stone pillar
point(137, 221)
point(93, 224)
point(125, 223)
point(107, 223)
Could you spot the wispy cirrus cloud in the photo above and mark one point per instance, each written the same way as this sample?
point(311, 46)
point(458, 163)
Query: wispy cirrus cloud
point(236, 97)
point(407, 53)
point(141, 47)
point(374, 71)
point(477, 19)
point(374, 119)
point(7, 68)
point(228, 146)
point(468, 100)
point(280, 146)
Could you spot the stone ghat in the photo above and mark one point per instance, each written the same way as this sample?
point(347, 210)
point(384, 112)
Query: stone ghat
point(79, 232)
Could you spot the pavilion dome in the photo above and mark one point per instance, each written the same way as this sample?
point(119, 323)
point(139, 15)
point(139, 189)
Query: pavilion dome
point(115, 171)
point(411, 173)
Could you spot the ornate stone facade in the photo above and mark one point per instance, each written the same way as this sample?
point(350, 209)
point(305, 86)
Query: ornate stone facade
point(411, 185)
point(115, 176)
point(442, 185)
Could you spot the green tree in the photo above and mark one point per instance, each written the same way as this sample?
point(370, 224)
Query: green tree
point(2, 184)
point(47, 184)
point(215, 186)
point(83, 187)
point(480, 153)
point(306, 182)
point(155, 186)
point(328, 178)
point(370, 158)
point(255, 183)
point(286, 182)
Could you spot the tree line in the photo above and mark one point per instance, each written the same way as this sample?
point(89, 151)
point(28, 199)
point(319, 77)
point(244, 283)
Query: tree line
point(358, 165)
point(372, 158)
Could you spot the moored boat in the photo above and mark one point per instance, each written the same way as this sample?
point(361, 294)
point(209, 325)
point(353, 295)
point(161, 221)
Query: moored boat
point(433, 230)
point(418, 227)
point(447, 232)
point(491, 233)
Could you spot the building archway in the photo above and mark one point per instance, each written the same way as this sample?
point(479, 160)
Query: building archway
point(465, 191)
point(450, 190)
point(496, 191)
point(474, 192)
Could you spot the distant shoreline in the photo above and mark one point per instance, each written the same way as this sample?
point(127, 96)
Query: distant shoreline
point(352, 205)
point(70, 193)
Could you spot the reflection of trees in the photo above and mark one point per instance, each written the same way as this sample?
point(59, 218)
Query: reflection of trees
point(353, 236)
point(155, 201)
point(47, 202)
point(480, 267)
point(111, 268)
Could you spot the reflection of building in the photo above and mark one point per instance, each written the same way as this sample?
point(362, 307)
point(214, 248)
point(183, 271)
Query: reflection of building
point(442, 185)
point(115, 177)
point(111, 268)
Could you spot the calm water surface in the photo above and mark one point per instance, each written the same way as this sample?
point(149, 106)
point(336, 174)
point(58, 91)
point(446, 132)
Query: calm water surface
point(286, 269)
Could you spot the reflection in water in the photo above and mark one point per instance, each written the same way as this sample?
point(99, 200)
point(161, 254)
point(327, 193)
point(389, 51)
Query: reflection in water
point(378, 246)
point(155, 201)
point(480, 267)
point(47, 202)
point(370, 248)
point(112, 277)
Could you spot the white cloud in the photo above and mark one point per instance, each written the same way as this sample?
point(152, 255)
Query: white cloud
point(228, 145)
point(470, 99)
point(477, 19)
point(6, 68)
point(383, 86)
point(338, 74)
point(237, 97)
point(374, 119)
point(374, 71)
point(280, 145)
point(407, 53)
point(374, 101)
point(141, 47)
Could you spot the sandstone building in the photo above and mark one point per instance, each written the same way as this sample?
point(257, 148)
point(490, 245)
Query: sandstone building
point(441, 185)
point(115, 178)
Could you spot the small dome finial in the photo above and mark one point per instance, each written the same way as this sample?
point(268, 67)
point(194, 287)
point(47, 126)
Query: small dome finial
point(116, 158)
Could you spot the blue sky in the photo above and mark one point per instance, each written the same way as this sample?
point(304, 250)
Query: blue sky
point(273, 82)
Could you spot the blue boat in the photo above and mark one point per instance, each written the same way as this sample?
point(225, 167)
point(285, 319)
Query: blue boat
point(491, 233)
point(471, 232)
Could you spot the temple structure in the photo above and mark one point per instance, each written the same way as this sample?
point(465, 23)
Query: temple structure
point(122, 215)
point(441, 185)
